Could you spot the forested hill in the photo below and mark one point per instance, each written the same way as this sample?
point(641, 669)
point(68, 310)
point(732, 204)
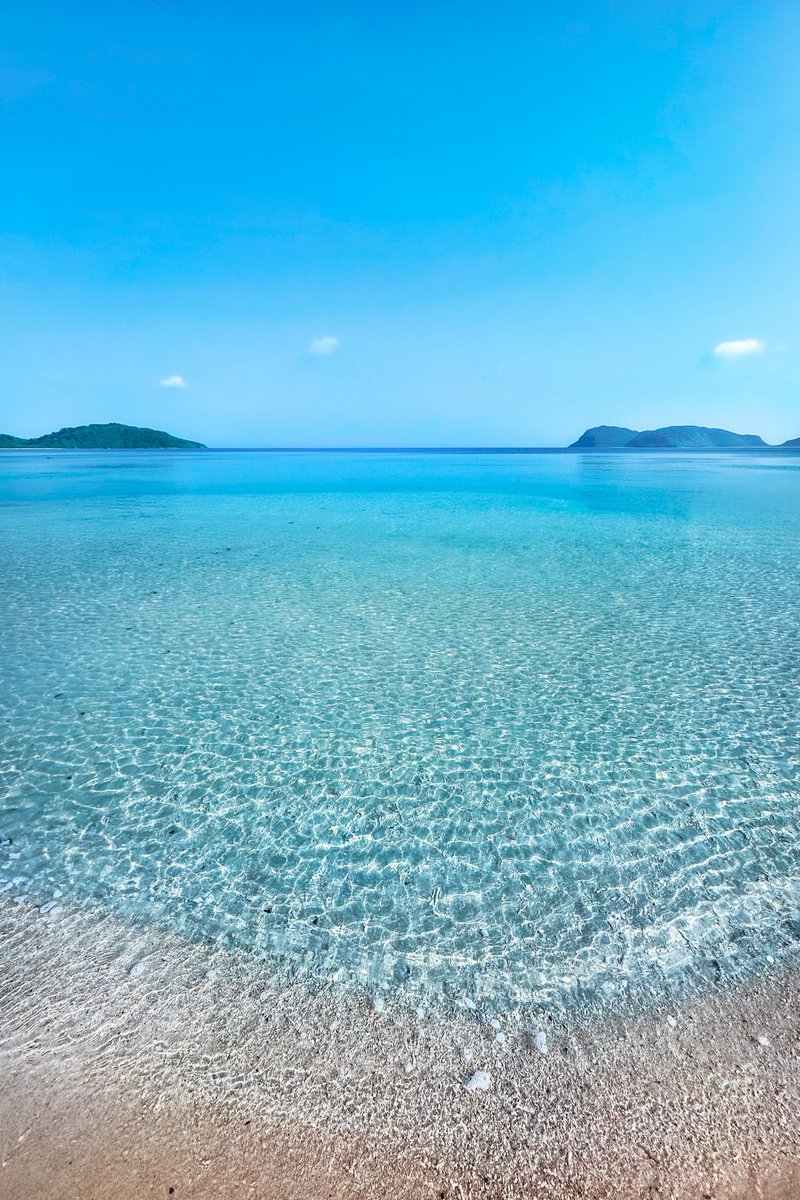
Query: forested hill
point(668, 437)
point(112, 436)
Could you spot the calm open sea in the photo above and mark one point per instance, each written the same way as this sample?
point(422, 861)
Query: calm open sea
point(518, 726)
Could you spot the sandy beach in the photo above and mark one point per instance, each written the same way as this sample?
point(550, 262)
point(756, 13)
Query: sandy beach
point(136, 1064)
point(399, 596)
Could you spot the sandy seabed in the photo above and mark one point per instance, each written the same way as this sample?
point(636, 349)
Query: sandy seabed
point(136, 1064)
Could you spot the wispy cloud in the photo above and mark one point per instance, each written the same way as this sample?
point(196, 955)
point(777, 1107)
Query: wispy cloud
point(323, 345)
point(175, 381)
point(738, 349)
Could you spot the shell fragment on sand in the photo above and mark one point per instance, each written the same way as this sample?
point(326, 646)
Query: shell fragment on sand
point(481, 1081)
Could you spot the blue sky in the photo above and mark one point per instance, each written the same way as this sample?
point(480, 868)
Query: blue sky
point(418, 224)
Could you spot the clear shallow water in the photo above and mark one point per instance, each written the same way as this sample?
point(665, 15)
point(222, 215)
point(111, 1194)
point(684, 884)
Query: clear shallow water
point(521, 727)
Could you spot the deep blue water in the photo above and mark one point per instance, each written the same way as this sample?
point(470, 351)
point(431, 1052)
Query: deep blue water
point(519, 726)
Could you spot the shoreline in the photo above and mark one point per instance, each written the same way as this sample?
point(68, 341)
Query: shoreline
point(132, 1061)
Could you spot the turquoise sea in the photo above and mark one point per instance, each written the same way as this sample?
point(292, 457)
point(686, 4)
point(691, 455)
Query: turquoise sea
point(517, 727)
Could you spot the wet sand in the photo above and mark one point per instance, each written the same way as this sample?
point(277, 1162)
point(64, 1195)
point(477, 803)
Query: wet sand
point(132, 1063)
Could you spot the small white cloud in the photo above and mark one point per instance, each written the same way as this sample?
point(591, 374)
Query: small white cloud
point(740, 348)
point(173, 381)
point(323, 345)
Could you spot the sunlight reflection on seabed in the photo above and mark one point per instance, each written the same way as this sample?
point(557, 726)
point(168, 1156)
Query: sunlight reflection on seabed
point(517, 727)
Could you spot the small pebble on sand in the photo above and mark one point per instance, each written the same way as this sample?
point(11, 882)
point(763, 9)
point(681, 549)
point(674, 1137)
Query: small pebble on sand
point(541, 1041)
point(136, 969)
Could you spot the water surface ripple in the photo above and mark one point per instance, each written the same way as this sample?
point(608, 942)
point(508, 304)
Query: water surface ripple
point(522, 728)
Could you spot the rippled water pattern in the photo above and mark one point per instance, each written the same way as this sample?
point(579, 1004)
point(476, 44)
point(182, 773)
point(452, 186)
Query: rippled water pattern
point(520, 727)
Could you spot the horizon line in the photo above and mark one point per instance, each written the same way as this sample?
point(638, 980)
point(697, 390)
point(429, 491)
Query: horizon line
point(410, 449)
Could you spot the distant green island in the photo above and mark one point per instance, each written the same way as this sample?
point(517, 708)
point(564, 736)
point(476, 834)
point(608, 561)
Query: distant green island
point(669, 437)
point(115, 436)
point(112, 436)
